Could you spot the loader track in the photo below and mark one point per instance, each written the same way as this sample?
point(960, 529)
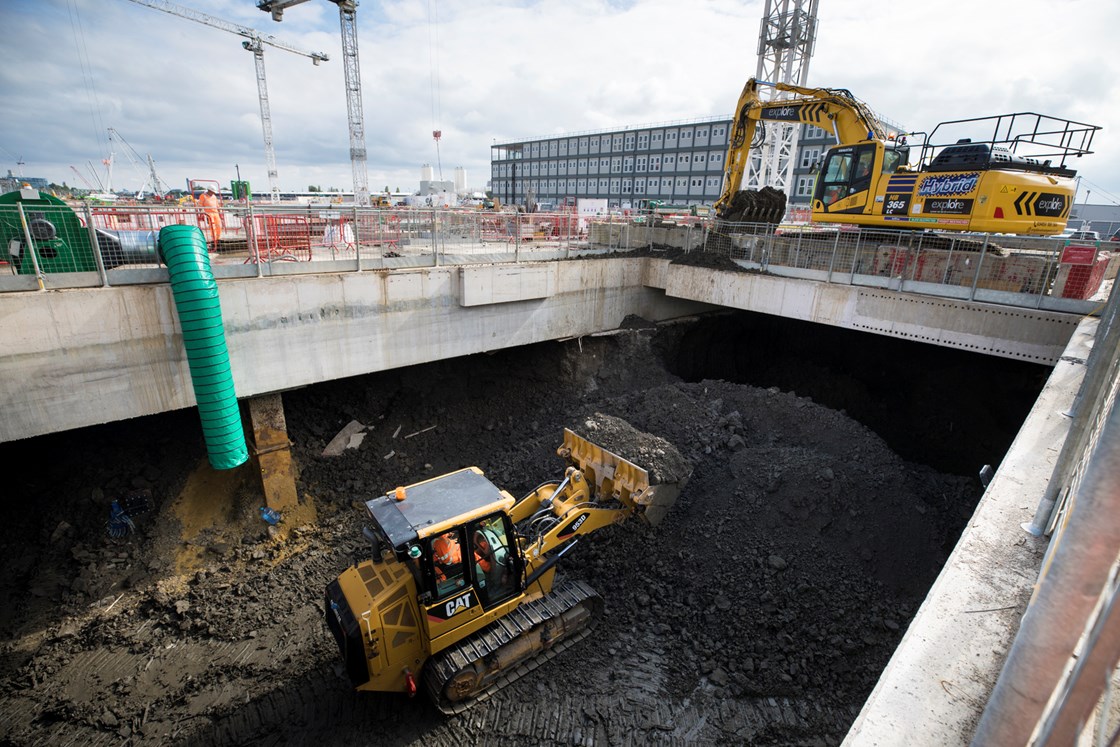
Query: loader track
point(473, 654)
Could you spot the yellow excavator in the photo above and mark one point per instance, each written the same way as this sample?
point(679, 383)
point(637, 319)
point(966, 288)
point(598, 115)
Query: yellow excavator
point(984, 184)
point(459, 593)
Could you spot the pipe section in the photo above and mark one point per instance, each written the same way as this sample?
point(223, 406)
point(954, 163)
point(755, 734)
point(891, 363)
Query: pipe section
point(183, 250)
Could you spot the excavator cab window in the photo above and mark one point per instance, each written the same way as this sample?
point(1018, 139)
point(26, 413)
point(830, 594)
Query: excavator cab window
point(495, 564)
point(832, 184)
point(895, 159)
point(846, 171)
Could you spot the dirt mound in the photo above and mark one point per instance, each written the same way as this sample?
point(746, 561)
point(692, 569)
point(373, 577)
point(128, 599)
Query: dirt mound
point(761, 610)
point(655, 455)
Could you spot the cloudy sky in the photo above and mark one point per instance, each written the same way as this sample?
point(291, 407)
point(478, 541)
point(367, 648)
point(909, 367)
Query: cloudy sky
point(495, 71)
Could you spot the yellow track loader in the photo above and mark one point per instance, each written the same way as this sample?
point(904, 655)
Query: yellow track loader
point(459, 595)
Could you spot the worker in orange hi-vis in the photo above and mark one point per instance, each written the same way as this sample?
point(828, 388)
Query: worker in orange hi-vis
point(447, 555)
point(211, 215)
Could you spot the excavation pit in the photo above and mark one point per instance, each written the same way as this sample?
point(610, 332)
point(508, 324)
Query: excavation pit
point(760, 610)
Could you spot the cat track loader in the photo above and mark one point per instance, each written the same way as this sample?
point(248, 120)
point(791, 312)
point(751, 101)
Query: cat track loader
point(460, 594)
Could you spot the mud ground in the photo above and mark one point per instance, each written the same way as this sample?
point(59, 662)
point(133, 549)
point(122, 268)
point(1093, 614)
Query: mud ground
point(760, 611)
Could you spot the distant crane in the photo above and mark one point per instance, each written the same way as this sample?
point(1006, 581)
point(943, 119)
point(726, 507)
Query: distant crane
point(83, 178)
point(347, 13)
point(255, 44)
point(153, 181)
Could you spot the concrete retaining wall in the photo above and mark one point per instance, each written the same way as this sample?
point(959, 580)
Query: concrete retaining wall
point(79, 357)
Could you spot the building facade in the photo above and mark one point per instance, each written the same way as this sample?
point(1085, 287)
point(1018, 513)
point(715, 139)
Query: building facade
point(679, 163)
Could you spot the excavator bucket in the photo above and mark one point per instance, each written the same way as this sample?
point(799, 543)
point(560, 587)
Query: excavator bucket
point(767, 206)
point(650, 490)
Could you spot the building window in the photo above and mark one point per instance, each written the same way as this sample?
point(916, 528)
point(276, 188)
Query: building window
point(657, 137)
point(809, 156)
point(629, 142)
point(804, 186)
point(616, 186)
point(626, 186)
point(697, 182)
point(668, 162)
point(640, 187)
point(643, 140)
point(686, 135)
point(655, 163)
point(628, 165)
point(641, 167)
point(713, 158)
point(616, 165)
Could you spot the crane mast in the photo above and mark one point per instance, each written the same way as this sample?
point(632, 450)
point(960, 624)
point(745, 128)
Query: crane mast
point(254, 43)
point(347, 14)
point(785, 47)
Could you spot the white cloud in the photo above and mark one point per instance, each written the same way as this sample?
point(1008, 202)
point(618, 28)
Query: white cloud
point(187, 93)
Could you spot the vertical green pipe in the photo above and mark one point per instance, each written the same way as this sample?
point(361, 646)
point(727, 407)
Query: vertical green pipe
point(183, 249)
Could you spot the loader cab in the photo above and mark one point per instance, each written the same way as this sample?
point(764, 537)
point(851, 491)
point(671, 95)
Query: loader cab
point(454, 534)
point(479, 555)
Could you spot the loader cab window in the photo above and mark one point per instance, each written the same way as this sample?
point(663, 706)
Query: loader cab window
point(495, 564)
point(448, 569)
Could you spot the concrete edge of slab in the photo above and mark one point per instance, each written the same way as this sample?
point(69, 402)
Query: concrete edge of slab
point(939, 679)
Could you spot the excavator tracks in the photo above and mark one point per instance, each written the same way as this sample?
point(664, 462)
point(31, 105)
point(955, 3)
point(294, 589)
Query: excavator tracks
point(477, 667)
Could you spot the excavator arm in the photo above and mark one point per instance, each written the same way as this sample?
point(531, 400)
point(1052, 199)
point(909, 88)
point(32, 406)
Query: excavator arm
point(832, 109)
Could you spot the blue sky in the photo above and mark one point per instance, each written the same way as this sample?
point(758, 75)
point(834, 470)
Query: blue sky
point(496, 71)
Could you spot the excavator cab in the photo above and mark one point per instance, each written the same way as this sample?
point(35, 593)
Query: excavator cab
point(850, 177)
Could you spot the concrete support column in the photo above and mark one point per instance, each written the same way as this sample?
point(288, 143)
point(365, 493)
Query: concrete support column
point(272, 451)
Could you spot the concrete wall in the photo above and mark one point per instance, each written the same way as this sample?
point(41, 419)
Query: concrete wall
point(79, 357)
point(1022, 334)
point(84, 356)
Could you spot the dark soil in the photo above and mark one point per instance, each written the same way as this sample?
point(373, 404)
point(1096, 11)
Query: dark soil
point(761, 610)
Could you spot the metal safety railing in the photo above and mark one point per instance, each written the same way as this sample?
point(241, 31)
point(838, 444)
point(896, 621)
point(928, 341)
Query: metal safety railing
point(55, 246)
point(1056, 687)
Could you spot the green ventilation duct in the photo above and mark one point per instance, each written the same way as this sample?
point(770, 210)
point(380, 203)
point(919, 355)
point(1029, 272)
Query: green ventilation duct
point(183, 249)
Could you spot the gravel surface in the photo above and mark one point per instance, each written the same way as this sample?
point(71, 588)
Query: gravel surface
point(761, 610)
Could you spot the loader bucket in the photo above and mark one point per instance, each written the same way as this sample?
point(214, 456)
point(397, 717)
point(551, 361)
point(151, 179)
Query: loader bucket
point(650, 492)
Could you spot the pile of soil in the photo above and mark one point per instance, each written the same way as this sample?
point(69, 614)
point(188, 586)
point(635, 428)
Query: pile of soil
point(761, 610)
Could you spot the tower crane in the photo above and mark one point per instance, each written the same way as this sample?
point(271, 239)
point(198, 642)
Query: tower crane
point(153, 182)
point(347, 13)
point(254, 43)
